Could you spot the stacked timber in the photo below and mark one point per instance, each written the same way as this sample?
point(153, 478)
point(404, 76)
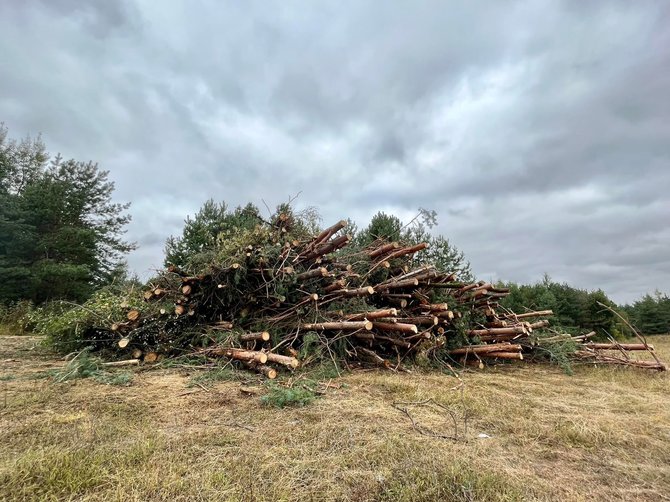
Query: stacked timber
point(378, 304)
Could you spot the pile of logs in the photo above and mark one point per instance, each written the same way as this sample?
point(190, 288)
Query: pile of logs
point(378, 304)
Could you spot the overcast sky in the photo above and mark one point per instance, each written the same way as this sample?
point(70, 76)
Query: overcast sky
point(539, 131)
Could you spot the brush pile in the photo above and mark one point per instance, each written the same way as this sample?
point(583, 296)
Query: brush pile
point(277, 297)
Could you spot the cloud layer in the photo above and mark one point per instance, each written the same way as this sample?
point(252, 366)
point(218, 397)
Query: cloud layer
point(539, 131)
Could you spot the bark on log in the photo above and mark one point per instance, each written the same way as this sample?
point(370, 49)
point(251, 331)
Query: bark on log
point(268, 371)
point(262, 336)
point(504, 355)
point(398, 302)
point(338, 326)
point(406, 251)
point(401, 327)
point(375, 314)
point(427, 320)
point(329, 232)
point(127, 362)
point(618, 346)
point(397, 284)
point(339, 284)
point(240, 354)
point(538, 313)
point(311, 274)
point(512, 330)
point(329, 247)
point(482, 349)
point(395, 341)
point(289, 361)
point(386, 248)
point(364, 291)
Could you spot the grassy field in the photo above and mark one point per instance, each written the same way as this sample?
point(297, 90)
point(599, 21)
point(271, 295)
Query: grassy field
point(601, 434)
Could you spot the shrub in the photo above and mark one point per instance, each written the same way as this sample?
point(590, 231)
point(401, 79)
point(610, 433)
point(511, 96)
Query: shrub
point(281, 397)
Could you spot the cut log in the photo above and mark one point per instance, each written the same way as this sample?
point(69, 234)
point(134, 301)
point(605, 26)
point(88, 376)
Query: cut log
point(397, 284)
point(179, 310)
point(268, 371)
point(482, 349)
point(504, 355)
point(395, 341)
point(126, 362)
point(329, 232)
point(427, 320)
point(386, 248)
point(511, 330)
point(538, 313)
point(150, 357)
point(339, 284)
point(398, 302)
point(618, 346)
point(186, 289)
point(311, 274)
point(262, 336)
point(289, 361)
point(400, 327)
point(123, 343)
point(240, 355)
point(375, 314)
point(338, 326)
point(406, 251)
point(133, 315)
point(364, 291)
point(329, 247)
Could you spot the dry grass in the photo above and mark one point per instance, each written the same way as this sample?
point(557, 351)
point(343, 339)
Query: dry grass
point(601, 434)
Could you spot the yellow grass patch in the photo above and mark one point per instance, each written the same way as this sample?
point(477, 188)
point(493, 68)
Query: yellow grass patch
point(601, 434)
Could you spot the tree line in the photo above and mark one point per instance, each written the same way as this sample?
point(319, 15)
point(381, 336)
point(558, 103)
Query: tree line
point(61, 237)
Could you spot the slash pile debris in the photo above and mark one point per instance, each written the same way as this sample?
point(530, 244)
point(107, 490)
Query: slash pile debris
point(274, 294)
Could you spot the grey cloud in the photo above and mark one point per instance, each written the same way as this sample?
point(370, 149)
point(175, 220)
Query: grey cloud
point(539, 131)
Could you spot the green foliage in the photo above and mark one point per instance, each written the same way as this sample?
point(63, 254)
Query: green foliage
point(121, 378)
point(558, 351)
point(301, 394)
point(14, 317)
point(382, 227)
point(60, 233)
point(67, 325)
point(441, 252)
point(85, 366)
point(650, 314)
point(575, 310)
point(219, 373)
point(80, 366)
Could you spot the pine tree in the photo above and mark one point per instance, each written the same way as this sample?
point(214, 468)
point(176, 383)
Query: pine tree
point(60, 232)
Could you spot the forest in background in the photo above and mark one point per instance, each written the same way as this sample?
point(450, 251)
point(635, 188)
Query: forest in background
point(61, 238)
